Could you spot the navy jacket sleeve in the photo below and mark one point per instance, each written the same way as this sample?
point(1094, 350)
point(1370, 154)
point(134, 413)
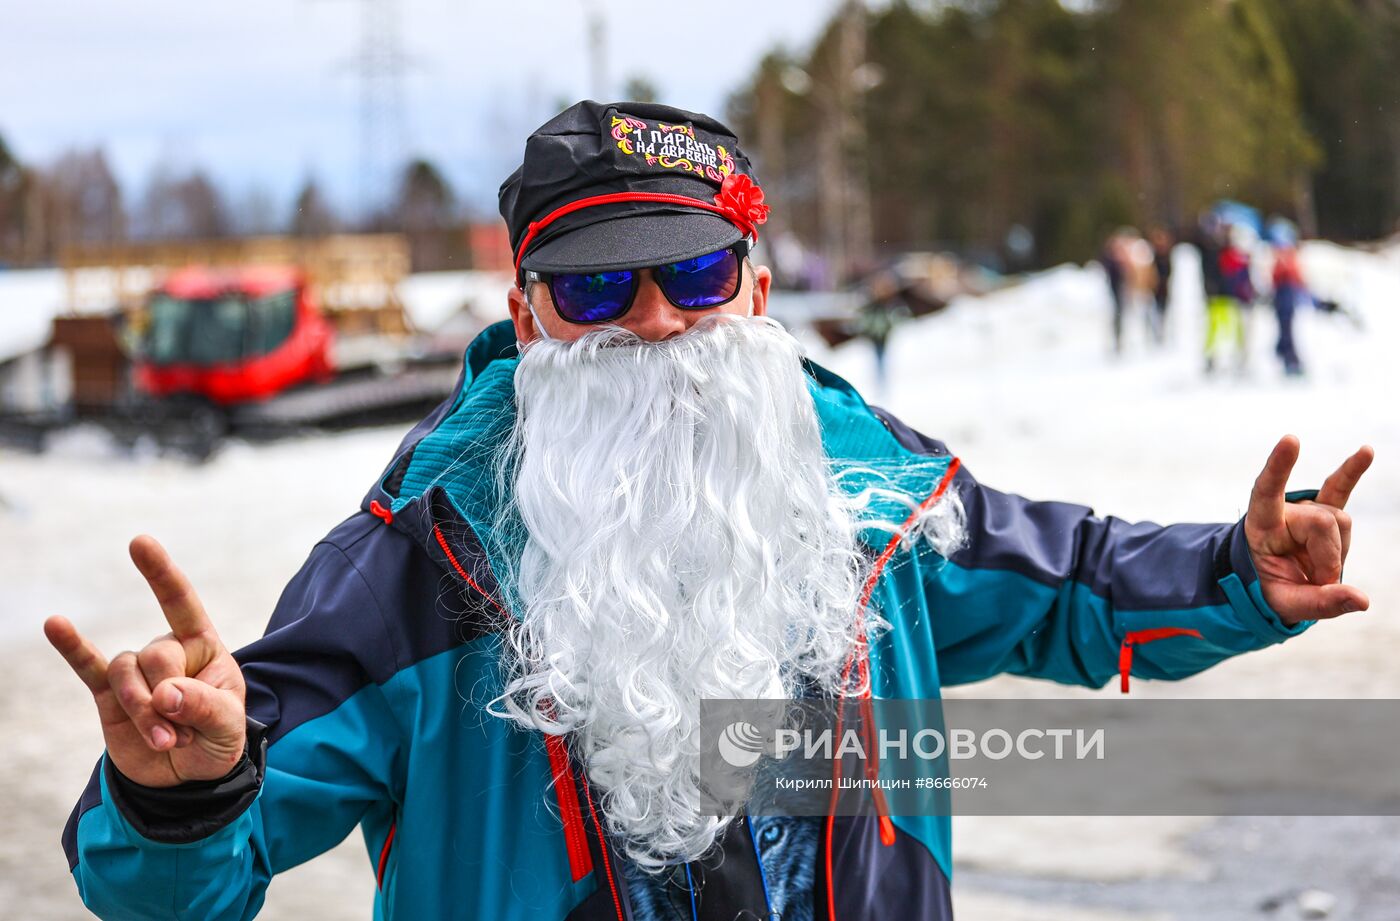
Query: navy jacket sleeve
point(1051, 590)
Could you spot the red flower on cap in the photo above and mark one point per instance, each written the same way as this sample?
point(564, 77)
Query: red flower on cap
point(742, 200)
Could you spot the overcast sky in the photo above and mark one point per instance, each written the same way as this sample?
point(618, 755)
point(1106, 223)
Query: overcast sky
point(263, 92)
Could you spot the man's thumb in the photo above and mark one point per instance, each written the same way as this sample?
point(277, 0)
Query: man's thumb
point(210, 711)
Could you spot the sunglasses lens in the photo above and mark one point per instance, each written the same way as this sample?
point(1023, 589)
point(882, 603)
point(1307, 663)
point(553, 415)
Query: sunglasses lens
point(593, 298)
point(705, 281)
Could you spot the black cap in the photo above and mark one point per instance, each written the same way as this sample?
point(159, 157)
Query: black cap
point(593, 149)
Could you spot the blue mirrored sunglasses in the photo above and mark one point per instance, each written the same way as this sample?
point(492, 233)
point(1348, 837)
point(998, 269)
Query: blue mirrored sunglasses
point(701, 283)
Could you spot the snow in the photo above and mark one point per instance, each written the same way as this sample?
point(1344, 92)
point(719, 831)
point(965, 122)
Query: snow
point(433, 298)
point(29, 300)
point(1021, 384)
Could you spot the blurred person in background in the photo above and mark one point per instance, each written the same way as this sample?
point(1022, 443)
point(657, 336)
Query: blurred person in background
point(640, 497)
point(1127, 260)
point(884, 309)
point(1236, 274)
point(1223, 321)
point(1117, 265)
point(1162, 242)
point(1290, 292)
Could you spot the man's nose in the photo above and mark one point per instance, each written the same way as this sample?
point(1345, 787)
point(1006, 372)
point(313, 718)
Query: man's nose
point(652, 316)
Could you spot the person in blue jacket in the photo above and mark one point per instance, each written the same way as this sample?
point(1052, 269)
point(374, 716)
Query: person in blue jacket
point(639, 496)
point(1290, 292)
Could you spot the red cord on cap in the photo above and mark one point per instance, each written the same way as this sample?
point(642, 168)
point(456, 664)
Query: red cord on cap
point(739, 200)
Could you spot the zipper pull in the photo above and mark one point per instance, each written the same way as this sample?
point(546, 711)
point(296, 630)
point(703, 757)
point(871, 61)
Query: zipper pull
point(886, 831)
point(882, 812)
point(1133, 637)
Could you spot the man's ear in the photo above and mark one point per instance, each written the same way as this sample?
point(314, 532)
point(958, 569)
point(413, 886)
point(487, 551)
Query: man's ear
point(762, 281)
point(522, 317)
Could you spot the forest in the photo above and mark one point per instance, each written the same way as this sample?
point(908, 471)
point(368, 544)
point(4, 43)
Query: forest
point(962, 125)
point(1015, 133)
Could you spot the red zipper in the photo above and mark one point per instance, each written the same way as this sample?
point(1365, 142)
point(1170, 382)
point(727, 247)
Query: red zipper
point(575, 836)
point(1137, 638)
point(384, 856)
point(603, 849)
point(451, 558)
point(860, 659)
point(570, 811)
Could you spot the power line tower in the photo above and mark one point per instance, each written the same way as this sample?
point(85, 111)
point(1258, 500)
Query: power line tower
point(379, 65)
point(597, 30)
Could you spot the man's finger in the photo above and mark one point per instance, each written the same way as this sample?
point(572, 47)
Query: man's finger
point(164, 657)
point(1316, 602)
point(212, 712)
point(134, 695)
point(183, 609)
point(1318, 531)
point(1266, 502)
point(1343, 527)
point(1336, 489)
point(81, 655)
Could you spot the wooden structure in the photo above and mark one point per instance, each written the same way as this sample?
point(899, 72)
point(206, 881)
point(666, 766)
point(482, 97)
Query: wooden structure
point(101, 367)
point(354, 277)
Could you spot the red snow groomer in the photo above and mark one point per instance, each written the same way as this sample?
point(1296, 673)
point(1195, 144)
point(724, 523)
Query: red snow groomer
point(187, 341)
point(232, 336)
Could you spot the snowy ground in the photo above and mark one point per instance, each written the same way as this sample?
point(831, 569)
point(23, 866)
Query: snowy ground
point(1020, 384)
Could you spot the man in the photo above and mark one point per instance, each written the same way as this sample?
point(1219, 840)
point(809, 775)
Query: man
point(1225, 274)
point(1116, 257)
point(1290, 291)
point(1163, 242)
point(639, 498)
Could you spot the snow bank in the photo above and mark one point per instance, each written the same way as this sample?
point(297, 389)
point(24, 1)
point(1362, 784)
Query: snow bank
point(29, 300)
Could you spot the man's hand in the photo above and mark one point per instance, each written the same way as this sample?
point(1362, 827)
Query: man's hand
point(172, 712)
point(1299, 547)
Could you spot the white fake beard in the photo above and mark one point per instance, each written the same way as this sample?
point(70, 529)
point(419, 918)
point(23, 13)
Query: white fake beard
point(686, 539)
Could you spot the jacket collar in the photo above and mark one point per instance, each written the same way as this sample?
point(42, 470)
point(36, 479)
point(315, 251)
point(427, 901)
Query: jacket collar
point(439, 487)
